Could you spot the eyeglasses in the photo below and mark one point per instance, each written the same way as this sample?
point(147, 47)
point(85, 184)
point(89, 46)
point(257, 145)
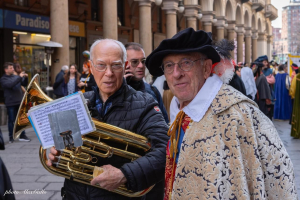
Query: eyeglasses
point(184, 65)
point(101, 67)
point(135, 62)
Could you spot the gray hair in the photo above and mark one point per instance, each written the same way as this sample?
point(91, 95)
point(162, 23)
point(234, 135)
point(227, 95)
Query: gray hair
point(65, 67)
point(122, 48)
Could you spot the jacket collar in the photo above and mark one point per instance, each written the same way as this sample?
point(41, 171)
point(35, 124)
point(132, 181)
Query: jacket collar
point(197, 108)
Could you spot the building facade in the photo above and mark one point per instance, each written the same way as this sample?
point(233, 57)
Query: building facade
point(76, 24)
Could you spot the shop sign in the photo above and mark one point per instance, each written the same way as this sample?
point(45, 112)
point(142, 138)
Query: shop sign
point(1, 18)
point(76, 29)
point(27, 22)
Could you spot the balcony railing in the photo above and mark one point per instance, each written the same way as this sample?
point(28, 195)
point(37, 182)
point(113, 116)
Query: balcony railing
point(271, 12)
point(258, 5)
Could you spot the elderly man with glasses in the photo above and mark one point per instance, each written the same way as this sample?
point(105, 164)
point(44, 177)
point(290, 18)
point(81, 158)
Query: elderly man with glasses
point(116, 103)
point(135, 72)
point(221, 145)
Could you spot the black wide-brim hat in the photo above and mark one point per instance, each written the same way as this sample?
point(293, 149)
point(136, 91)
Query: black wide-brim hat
point(185, 41)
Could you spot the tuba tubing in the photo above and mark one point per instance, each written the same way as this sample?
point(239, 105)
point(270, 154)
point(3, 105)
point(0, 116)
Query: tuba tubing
point(75, 164)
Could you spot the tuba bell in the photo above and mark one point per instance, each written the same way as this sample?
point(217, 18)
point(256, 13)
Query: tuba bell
point(79, 164)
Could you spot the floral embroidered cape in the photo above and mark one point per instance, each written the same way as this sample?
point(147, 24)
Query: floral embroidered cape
point(234, 152)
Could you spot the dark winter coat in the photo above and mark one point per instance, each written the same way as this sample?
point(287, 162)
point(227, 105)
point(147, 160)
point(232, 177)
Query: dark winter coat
point(89, 80)
point(133, 111)
point(59, 79)
point(11, 85)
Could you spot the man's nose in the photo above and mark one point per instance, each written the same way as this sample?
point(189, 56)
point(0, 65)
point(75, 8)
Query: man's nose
point(140, 65)
point(108, 71)
point(177, 73)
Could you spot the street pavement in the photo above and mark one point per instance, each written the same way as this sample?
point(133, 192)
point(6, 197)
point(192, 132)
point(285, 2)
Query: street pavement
point(27, 173)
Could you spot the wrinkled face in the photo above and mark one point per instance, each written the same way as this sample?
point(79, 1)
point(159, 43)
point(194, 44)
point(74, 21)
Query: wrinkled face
point(72, 69)
point(137, 68)
point(107, 53)
point(10, 70)
point(186, 84)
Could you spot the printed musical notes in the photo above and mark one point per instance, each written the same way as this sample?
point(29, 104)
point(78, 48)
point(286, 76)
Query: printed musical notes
point(38, 116)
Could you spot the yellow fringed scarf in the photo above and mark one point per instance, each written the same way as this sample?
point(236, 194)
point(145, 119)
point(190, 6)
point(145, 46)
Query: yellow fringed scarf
point(176, 125)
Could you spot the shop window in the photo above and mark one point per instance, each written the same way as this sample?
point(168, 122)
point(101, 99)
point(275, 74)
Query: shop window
point(120, 12)
point(30, 56)
point(95, 10)
point(21, 3)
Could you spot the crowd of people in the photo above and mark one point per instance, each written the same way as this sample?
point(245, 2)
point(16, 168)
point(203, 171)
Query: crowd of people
point(208, 120)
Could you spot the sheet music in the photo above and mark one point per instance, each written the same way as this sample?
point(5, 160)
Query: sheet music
point(38, 116)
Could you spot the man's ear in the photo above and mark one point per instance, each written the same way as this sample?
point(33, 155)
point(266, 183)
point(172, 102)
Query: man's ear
point(91, 67)
point(207, 67)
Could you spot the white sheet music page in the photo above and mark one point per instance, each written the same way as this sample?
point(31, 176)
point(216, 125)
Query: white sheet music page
point(38, 116)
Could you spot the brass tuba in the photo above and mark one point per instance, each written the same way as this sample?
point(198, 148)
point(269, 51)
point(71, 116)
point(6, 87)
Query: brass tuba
point(77, 163)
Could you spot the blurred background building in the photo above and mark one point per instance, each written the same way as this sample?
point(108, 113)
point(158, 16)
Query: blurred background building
point(289, 40)
point(76, 24)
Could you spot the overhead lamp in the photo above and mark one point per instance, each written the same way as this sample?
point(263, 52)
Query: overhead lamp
point(158, 2)
point(199, 14)
point(180, 7)
point(226, 24)
point(42, 35)
point(20, 33)
point(215, 19)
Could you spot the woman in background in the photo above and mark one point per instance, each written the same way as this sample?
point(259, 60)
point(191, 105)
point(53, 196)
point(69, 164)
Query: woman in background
point(87, 80)
point(71, 80)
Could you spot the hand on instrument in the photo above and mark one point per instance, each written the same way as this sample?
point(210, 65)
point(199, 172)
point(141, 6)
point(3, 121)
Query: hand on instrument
point(81, 84)
point(52, 156)
point(110, 179)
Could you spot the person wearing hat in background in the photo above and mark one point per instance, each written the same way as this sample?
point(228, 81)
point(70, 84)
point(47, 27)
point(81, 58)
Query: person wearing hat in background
point(294, 70)
point(86, 81)
point(217, 147)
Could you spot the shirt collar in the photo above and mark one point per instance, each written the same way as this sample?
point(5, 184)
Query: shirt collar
point(197, 108)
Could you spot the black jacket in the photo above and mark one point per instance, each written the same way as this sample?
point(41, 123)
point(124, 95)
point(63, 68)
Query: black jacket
point(11, 85)
point(5, 183)
point(133, 111)
point(57, 90)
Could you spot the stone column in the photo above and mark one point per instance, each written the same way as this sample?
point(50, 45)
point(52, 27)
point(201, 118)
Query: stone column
point(59, 22)
point(110, 19)
point(171, 7)
point(192, 22)
point(240, 44)
point(220, 32)
point(145, 25)
point(269, 46)
point(207, 17)
point(248, 46)
point(191, 13)
point(254, 46)
point(231, 34)
point(261, 44)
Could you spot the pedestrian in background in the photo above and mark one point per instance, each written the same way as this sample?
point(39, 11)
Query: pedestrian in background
point(135, 72)
point(87, 80)
point(59, 79)
point(71, 80)
point(295, 130)
point(263, 96)
point(18, 71)
point(13, 94)
point(283, 104)
point(249, 82)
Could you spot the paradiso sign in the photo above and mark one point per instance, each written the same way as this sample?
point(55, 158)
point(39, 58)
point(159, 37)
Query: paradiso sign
point(26, 22)
point(36, 23)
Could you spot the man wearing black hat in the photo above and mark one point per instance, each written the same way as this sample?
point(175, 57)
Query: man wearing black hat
point(221, 145)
